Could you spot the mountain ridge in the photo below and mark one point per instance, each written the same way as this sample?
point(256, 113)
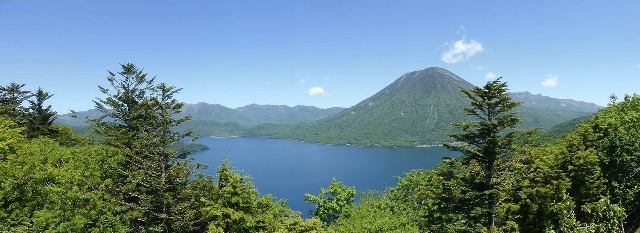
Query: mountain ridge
point(416, 109)
point(248, 115)
point(540, 101)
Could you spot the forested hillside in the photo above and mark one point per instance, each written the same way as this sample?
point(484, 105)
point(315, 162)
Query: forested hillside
point(136, 180)
point(584, 182)
point(417, 109)
point(545, 102)
point(220, 116)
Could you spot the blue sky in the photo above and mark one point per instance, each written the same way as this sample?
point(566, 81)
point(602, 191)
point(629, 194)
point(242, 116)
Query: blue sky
point(320, 53)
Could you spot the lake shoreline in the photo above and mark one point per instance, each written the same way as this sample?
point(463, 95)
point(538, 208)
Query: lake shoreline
point(329, 144)
point(289, 168)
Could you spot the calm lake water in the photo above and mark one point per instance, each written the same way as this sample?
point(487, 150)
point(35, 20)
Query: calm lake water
point(289, 169)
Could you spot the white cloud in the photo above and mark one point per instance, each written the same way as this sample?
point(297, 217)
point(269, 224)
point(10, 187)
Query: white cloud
point(302, 81)
point(316, 91)
point(461, 50)
point(551, 81)
point(490, 76)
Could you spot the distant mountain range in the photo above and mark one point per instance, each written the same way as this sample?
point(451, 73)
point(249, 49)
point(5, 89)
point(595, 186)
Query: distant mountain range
point(416, 109)
point(247, 116)
point(545, 102)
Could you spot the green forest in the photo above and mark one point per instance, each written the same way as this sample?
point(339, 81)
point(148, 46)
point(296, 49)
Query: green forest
point(136, 175)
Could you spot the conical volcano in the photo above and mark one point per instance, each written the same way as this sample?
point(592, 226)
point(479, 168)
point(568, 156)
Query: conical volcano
point(416, 109)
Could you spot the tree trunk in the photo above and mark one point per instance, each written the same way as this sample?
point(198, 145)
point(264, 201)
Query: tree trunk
point(490, 197)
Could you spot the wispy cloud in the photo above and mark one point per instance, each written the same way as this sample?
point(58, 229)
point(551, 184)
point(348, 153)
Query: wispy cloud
point(637, 66)
point(461, 50)
point(302, 81)
point(490, 76)
point(551, 81)
point(316, 91)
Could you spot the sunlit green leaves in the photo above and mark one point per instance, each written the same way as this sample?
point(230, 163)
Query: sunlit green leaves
point(332, 203)
point(48, 187)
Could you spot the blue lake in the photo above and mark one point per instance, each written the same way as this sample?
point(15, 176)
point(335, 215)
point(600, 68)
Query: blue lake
point(289, 169)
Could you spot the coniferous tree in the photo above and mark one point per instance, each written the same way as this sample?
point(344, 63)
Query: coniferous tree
point(39, 119)
point(138, 119)
point(487, 142)
point(11, 98)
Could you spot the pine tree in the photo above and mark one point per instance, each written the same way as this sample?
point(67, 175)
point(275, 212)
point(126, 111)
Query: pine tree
point(138, 119)
point(487, 142)
point(11, 99)
point(39, 119)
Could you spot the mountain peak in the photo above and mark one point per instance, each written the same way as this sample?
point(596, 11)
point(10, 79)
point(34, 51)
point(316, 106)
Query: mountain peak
point(426, 81)
point(416, 109)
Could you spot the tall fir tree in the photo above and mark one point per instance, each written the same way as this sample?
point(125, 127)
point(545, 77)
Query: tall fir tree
point(138, 117)
point(39, 119)
point(486, 144)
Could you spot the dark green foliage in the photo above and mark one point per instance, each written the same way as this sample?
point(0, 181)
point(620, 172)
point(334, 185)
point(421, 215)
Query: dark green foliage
point(274, 130)
point(212, 128)
point(534, 118)
point(39, 119)
point(486, 145)
point(612, 136)
point(12, 98)
point(87, 132)
point(36, 118)
point(560, 130)
point(590, 174)
point(67, 137)
point(138, 120)
point(332, 203)
point(437, 200)
point(187, 147)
